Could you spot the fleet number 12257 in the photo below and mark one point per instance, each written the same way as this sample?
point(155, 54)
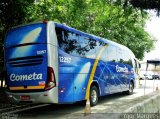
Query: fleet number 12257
point(65, 59)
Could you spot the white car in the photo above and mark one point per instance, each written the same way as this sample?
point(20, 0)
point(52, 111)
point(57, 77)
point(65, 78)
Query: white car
point(141, 76)
point(147, 76)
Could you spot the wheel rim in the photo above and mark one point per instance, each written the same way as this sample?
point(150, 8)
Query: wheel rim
point(93, 96)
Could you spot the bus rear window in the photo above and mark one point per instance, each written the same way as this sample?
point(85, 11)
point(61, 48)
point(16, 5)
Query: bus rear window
point(33, 33)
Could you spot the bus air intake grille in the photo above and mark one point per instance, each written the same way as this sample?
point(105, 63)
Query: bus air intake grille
point(25, 61)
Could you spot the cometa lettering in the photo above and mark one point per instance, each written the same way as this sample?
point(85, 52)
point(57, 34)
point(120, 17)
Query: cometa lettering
point(34, 76)
point(121, 69)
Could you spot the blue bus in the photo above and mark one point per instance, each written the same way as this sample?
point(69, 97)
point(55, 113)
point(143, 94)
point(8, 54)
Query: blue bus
point(48, 62)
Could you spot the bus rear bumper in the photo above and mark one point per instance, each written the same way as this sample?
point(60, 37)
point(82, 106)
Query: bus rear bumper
point(50, 96)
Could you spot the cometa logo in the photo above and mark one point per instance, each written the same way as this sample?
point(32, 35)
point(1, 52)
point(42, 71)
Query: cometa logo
point(121, 69)
point(34, 76)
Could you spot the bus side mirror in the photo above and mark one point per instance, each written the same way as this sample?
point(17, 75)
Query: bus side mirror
point(139, 65)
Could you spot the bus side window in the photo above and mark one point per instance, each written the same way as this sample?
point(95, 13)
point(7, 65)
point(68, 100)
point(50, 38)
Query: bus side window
point(124, 57)
point(59, 36)
point(71, 41)
point(87, 47)
point(112, 56)
point(104, 55)
point(67, 41)
point(136, 66)
point(120, 55)
point(99, 46)
point(109, 54)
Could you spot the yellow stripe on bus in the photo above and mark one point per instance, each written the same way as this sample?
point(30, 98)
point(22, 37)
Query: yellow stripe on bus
point(93, 72)
point(28, 87)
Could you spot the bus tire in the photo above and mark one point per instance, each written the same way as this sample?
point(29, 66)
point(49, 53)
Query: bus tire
point(94, 96)
point(131, 87)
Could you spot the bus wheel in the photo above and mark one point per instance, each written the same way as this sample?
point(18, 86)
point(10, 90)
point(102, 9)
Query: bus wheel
point(131, 87)
point(93, 95)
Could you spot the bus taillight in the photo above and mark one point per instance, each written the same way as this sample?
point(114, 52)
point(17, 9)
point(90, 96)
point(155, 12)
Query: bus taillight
point(51, 81)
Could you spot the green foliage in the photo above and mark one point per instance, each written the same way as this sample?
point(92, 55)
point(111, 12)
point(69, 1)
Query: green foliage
point(147, 4)
point(12, 13)
point(105, 18)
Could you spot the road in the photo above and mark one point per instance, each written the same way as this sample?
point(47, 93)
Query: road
point(107, 104)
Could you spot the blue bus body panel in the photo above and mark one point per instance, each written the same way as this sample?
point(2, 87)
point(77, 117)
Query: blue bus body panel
point(74, 77)
point(25, 66)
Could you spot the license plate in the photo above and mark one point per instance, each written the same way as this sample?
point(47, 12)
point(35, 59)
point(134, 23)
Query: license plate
point(25, 98)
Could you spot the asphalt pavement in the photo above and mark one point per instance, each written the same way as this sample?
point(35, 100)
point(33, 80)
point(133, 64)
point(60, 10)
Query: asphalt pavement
point(110, 104)
point(107, 105)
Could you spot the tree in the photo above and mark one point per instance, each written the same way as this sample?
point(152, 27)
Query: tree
point(115, 20)
point(105, 18)
point(12, 13)
point(147, 4)
point(141, 4)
